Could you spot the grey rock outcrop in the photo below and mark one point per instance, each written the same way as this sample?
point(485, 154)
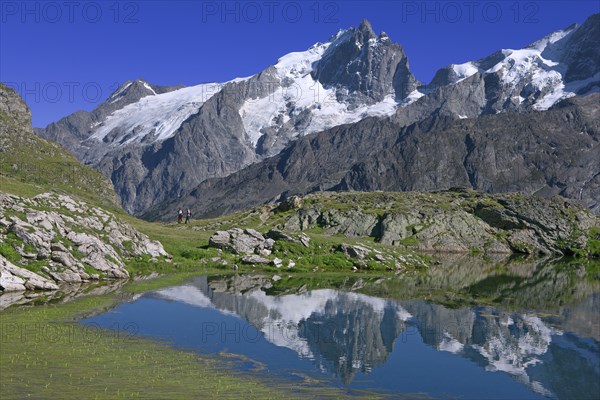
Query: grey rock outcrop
point(13, 278)
point(248, 241)
point(12, 105)
point(65, 240)
point(276, 234)
point(255, 259)
point(240, 241)
point(456, 221)
point(354, 251)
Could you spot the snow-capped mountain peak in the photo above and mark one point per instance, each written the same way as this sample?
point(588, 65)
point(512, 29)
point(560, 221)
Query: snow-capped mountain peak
point(337, 82)
point(552, 38)
point(155, 116)
point(300, 97)
point(536, 76)
point(138, 88)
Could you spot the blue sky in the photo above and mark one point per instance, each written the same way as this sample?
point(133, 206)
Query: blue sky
point(65, 56)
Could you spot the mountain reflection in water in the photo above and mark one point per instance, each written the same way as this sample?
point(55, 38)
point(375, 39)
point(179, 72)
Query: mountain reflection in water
point(552, 352)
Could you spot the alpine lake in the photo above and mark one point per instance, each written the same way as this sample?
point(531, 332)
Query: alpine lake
point(465, 329)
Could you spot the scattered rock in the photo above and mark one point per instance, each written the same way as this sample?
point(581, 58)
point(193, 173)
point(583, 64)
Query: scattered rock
point(263, 252)
point(277, 262)
point(354, 251)
point(277, 235)
point(291, 203)
point(269, 243)
point(219, 239)
point(250, 242)
point(237, 241)
point(304, 239)
point(16, 278)
point(254, 234)
point(255, 259)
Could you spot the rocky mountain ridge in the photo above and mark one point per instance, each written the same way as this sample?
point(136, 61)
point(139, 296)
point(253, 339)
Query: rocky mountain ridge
point(27, 158)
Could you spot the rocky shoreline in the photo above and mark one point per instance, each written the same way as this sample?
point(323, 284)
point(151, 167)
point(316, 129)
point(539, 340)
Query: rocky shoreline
point(51, 239)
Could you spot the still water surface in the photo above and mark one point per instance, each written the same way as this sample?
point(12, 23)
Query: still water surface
point(352, 340)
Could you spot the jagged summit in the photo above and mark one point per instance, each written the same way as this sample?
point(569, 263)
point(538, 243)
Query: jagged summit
point(366, 28)
point(364, 67)
point(560, 65)
point(132, 91)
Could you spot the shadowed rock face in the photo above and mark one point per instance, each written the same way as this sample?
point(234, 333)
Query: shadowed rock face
point(366, 67)
point(581, 51)
point(494, 153)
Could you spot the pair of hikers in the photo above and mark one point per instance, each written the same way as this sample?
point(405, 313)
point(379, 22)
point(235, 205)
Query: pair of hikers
point(188, 215)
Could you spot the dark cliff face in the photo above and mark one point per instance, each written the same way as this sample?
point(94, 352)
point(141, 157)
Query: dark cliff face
point(366, 66)
point(496, 153)
point(14, 109)
point(582, 54)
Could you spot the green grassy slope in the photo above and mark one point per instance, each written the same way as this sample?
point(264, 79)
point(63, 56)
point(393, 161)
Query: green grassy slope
point(30, 165)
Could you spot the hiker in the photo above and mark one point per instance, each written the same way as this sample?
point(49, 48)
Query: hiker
point(188, 214)
point(180, 216)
